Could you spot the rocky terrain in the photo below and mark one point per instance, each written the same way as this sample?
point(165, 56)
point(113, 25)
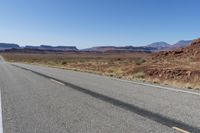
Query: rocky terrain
point(178, 66)
point(192, 51)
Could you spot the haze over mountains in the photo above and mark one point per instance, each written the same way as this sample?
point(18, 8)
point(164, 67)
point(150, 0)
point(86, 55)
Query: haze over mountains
point(153, 47)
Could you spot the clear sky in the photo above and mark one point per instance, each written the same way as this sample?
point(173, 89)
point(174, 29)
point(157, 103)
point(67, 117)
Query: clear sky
point(87, 23)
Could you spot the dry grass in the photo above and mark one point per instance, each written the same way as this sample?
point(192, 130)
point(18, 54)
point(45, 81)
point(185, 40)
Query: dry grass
point(115, 64)
point(173, 72)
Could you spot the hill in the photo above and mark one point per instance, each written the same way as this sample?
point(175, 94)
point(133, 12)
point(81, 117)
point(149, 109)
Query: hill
point(182, 43)
point(121, 49)
point(53, 48)
point(192, 51)
point(181, 66)
point(159, 45)
point(4, 46)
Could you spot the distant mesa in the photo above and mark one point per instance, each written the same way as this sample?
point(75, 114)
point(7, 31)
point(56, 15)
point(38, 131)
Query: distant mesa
point(120, 49)
point(101, 48)
point(53, 48)
point(4, 46)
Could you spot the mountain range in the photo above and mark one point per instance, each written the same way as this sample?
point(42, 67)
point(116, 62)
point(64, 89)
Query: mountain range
point(164, 45)
point(153, 47)
point(159, 45)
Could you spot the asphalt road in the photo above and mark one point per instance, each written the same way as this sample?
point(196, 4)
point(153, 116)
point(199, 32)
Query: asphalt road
point(38, 99)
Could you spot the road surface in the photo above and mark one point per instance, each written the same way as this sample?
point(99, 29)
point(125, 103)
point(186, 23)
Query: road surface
point(37, 99)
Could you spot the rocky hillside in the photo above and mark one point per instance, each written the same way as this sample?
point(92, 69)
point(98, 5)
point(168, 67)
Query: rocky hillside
point(192, 51)
point(180, 67)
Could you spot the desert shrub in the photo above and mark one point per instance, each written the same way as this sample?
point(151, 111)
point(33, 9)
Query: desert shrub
point(118, 59)
point(64, 62)
point(110, 70)
point(139, 61)
point(139, 75)
point(189, 87)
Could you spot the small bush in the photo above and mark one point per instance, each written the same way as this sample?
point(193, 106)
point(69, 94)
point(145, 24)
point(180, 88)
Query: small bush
point(189, 87)
point(64, 62)
point(140, 61)
point(139, 75)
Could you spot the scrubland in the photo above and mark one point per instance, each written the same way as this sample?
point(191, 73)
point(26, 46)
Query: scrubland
point(141, 66)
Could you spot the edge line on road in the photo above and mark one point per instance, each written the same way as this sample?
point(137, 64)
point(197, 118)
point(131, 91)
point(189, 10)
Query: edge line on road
point(157, 86)
point(58, 82)
point(180, 130)
point(1, 119)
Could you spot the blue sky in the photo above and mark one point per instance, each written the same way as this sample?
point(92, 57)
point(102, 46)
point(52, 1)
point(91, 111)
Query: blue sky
point(87, 23)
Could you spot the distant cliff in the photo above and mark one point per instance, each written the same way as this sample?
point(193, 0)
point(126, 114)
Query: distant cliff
point(122, 49)
point(4, 46)
point(53, 48)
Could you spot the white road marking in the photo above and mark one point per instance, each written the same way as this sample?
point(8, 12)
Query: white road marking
point(180, 130)
point(56, 81)
point(1, 120)
point(159, 87)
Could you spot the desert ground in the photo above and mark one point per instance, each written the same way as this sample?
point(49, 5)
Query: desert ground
point(166, 68)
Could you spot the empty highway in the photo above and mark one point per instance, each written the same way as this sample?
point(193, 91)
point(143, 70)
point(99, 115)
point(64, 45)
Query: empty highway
point(38, 99)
